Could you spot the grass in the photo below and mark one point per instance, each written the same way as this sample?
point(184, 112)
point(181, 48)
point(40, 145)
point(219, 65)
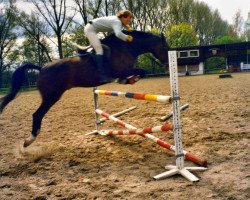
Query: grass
point(216, 71)
point(23, 89)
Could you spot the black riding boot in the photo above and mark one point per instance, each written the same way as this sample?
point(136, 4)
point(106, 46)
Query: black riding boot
point(100, 67)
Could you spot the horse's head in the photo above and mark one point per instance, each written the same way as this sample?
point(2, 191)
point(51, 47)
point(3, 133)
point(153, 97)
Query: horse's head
point(143, 42)
point(160, 49)
point(147, 42)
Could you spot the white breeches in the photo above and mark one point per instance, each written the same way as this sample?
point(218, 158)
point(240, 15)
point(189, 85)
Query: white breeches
point(93, 39)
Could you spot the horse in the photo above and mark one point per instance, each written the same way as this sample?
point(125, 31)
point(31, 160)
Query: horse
point(80, 71)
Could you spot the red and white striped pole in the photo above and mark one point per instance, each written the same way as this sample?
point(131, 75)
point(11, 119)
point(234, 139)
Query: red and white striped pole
point(116, 120)
point(195, 159)
point(165, 127)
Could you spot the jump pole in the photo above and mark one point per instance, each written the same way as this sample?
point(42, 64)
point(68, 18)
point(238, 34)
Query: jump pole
point(167, 117)
point(132, 129)
point(118, 113)
point(135, 95)
point(100, 121)
point(179, 167)
point(164, 127)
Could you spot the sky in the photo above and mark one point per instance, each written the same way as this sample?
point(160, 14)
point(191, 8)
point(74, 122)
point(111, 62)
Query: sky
point(228, 8)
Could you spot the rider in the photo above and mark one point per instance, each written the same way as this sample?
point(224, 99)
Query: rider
point(107, 24)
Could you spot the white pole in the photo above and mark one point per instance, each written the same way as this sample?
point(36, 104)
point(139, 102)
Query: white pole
point(179, 168)
point(176, 111)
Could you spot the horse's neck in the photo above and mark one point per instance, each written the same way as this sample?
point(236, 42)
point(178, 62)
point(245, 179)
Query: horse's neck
point(136, 48)
point(144, 47)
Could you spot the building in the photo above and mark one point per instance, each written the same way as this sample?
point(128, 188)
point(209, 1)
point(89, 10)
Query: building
point(191, 60)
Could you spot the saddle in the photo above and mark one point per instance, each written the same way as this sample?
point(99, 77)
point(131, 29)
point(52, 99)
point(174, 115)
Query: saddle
point(89, 50)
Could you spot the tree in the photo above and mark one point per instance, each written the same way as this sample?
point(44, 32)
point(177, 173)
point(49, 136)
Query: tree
point(218, 28)
point(77, 36)
point(247, 28)
point(82, 9)
point(238, 23)
point(88, 9)
point(182, 35)
point(56, 15)
point(207, 23)
point(180, 11)
point(7, 35)
point(236, 29)
point(35, 31)
point(227, 39)
point(33, 53)
point(148, 14)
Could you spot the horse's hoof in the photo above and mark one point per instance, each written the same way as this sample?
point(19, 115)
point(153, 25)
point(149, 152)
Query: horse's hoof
point(133, 79)
point(130, 80)
point(26, 144)
point(28, 141)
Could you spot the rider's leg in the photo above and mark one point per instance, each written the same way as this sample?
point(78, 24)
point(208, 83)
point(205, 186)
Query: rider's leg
point(99, 58)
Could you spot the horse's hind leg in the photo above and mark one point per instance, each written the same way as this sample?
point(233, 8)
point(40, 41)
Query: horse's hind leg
point(46, 104)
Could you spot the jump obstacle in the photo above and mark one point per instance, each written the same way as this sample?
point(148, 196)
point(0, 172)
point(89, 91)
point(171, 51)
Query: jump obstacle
point(146, 132)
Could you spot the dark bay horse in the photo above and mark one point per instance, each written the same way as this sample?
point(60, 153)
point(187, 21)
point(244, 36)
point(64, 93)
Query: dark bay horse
point(80, 71)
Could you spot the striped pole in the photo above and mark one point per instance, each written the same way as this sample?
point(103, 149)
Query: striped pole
point(98, 122)
point(195, 159)
point(116, 120)
point(189, 156)
point(167, 117)
point(165, 127)
point(118, 114)
point(139, 96)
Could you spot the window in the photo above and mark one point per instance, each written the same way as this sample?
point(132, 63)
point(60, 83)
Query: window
point(194, 53)
point(183, 54)
point(188, 53)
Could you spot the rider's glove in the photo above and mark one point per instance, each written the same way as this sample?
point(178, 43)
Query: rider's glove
point(129, 28)
point(130, 38)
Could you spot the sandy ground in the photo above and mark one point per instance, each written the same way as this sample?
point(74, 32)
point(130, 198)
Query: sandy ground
point(64, 163)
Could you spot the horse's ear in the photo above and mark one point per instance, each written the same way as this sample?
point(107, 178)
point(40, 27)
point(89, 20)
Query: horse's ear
point(162, 36)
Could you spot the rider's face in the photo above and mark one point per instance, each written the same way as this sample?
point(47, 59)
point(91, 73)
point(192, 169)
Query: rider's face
point(126, 21)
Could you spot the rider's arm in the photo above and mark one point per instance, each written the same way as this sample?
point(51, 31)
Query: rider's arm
point(117, 27)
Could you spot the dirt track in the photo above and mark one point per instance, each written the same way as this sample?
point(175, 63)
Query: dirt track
point(63, 163)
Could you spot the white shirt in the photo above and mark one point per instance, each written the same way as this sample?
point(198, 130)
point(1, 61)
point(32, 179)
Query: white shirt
point(109, 24)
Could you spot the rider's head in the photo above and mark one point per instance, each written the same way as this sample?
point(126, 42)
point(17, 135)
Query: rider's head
point(125, 16)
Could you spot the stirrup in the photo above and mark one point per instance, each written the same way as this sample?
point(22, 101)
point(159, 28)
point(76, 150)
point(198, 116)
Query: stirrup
point(105, 79)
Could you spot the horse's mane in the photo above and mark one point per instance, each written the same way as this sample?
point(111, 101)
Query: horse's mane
point(134, 33)
point(139, 36)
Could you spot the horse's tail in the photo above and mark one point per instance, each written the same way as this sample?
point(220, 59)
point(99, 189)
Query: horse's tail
point(18, 78)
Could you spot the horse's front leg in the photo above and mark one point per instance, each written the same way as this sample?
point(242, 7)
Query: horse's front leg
point(131, 76)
